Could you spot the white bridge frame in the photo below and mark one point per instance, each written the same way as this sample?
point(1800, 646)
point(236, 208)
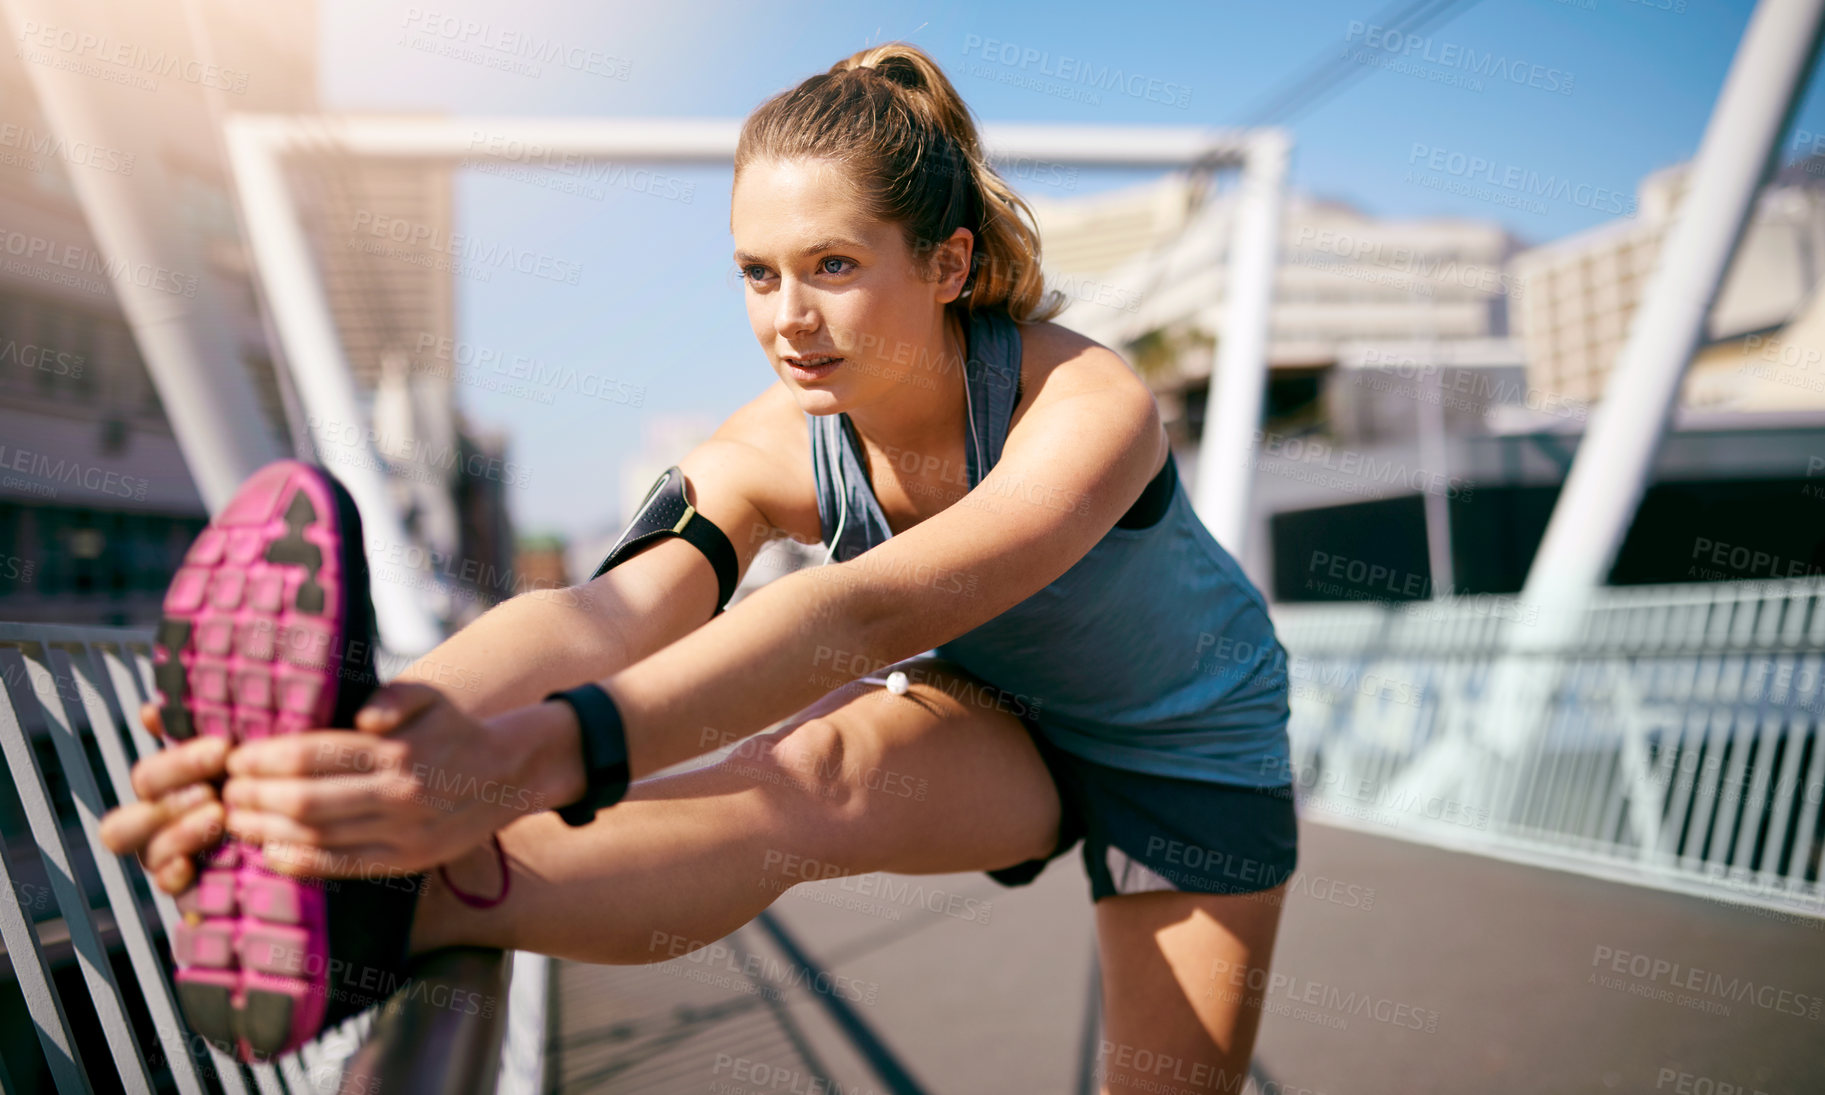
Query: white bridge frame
point(260, 145)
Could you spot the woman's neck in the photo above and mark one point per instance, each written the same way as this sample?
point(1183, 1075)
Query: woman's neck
point(923, 420)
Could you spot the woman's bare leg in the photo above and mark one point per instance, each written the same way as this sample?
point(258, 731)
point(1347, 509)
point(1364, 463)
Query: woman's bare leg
point(1184, 983)
point(928, 782)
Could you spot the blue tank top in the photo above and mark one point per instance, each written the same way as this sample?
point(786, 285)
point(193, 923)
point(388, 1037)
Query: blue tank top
point(1153, 653)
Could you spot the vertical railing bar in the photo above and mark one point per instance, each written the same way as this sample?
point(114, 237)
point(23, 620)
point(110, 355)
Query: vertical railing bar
point(266, 1078)
point(1602, 793)
point(1586, 803)
point(1704, 797)
point(1731, 785)
point(154, 986)
point(29, 968)
point(1562, 784)
point(1793, 734)
point(1809, 807)
point(60, 862)
point(312, 1059)
point(1612, 781)
point(124, 662)
point(1641, 790)
point(1692, 728)
point(292, 1071)
point(1750, 822)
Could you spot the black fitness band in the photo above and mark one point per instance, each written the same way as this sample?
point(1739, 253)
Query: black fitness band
point(665, 512)
point(605, 769)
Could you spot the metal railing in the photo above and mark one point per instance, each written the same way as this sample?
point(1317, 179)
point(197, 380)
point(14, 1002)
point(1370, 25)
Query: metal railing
point(70, 731)
point(1675, 741)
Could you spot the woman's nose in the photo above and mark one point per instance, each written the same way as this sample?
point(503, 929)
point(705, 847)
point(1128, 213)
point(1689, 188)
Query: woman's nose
point(795, 311)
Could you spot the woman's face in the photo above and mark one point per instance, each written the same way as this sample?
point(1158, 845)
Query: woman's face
point(824, 280)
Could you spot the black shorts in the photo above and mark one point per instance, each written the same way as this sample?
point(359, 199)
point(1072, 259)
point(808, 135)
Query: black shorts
point(1143, 832)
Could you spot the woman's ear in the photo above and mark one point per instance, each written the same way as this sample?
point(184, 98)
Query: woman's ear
point(952, 260)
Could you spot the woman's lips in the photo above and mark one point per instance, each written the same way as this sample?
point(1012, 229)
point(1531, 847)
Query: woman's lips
point(800, 371)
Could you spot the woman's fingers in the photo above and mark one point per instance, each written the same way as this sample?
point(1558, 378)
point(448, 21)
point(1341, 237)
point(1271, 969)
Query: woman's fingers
point(194, 761)
point(258, 828)
point(191, 834)
point(177, 876)
point(371, 861)
point(315, 753)
point(128, 828)
point(154, 722)
point(393, 705)
point(313, 799)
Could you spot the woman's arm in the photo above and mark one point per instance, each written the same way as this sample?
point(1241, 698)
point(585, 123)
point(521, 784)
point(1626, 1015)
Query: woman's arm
point(1074, 463)
point(545, 640)
point(515, 653)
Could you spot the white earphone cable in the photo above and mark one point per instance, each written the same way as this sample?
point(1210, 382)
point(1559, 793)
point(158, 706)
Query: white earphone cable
point(843, 479)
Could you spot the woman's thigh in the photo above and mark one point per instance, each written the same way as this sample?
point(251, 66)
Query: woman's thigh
point(938, 780)
point(1184, 981)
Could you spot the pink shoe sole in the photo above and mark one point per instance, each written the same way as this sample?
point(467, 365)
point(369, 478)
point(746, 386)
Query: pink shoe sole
point(267, 630)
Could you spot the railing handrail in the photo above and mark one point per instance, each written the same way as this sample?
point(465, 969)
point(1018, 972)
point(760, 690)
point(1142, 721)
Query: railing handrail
point(1676, 741)
point(420, 1040)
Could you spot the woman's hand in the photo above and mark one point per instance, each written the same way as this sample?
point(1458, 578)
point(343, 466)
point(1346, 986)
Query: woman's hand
point(177, 816)
point(415, 784)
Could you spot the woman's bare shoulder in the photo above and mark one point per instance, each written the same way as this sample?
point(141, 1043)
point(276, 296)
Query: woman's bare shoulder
point(1061, 362)
point(769, 438)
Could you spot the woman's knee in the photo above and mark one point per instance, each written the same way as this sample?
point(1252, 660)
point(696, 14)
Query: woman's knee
point(809, 760)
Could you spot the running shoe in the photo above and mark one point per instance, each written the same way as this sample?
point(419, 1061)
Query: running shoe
point(268, 629)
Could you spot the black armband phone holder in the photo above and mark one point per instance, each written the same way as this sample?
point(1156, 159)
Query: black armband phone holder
point(665, 512)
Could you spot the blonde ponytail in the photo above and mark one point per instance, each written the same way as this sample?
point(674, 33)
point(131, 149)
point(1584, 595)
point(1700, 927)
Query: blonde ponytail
point(890, 116)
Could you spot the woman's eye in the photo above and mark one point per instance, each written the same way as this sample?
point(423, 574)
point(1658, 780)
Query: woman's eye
point(827, 270)
point(743, 272)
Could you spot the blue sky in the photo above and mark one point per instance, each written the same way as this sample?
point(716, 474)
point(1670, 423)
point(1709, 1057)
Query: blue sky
point(1623, 88)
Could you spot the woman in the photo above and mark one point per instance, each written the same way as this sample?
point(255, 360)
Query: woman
point(1004, 528)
